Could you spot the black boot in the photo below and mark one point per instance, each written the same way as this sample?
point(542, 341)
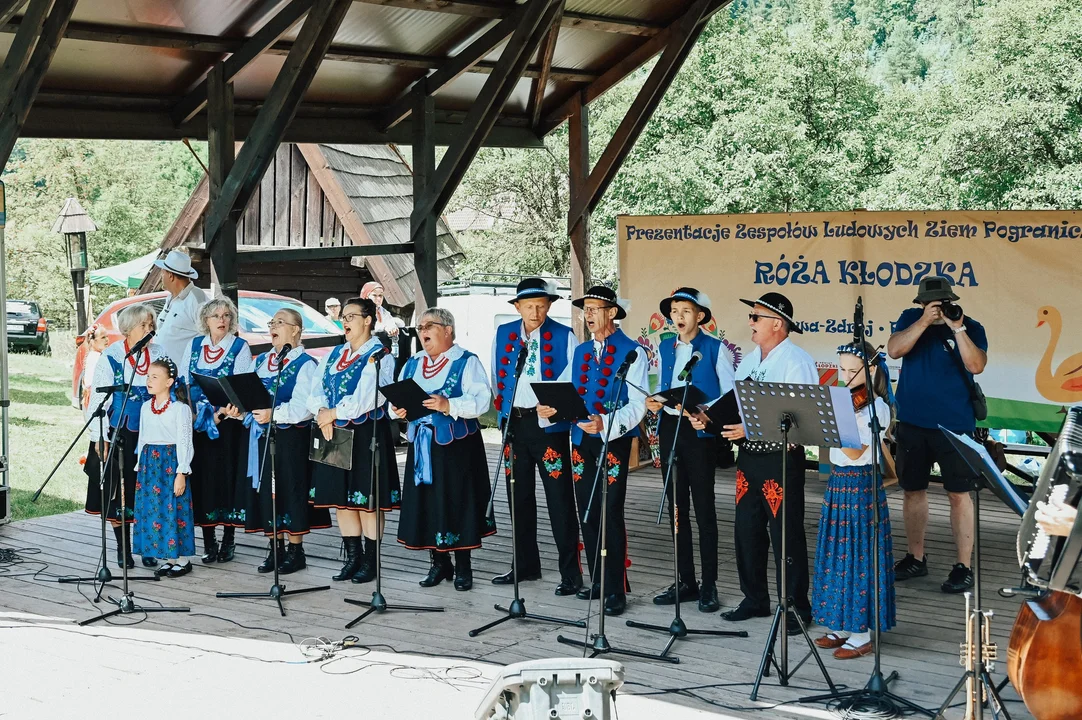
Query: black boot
point(123, 556)
point(441, 569)
point(463, 570)
point(229, 548)
point(367, 573)
point(295, 559)
point(268, 564)
point(210, 546)
point(354, 558)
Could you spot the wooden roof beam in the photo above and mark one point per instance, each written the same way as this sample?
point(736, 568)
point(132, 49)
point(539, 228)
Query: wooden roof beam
point(544, 56)
point(282, 101)
point(8, 8)
point(498, 9)
point(255, 46)
point(681, 40)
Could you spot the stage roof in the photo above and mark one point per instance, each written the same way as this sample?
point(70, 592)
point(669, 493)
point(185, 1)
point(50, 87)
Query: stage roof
point(124, 66)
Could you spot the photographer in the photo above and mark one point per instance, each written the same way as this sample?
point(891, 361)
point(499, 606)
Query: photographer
point(941, 350)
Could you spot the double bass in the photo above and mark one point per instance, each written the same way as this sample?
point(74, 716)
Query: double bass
point(1044, 658)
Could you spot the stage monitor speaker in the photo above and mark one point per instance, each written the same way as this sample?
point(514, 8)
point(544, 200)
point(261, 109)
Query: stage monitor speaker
point(555, 689)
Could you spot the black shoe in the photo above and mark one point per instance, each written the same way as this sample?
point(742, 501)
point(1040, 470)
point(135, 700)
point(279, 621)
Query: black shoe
point(745, 612)
point(463, 579)
point(295, 559)
point(708, 598)
point(508, 578)
point(687, 593)
point(268, 563)
point(164, 569)
point(441, 570)
point(615, 604)
point(792, 627)
point(123, 556)
point(960, 580)
point(593, 592)
point(149, 561)
point(211, 555)
point(367, 572)
point(354, 559)
point(910, 567)
point(227, 552)
point(180, 570)
point(568, 587)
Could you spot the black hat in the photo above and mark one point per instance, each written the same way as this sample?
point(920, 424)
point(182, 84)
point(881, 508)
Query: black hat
point(600, 292)
point(934, 287)
point(779, 304)
point(690, 295)
point(535, 288)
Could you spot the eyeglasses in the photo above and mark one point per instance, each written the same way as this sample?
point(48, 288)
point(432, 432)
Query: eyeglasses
point(428, 326)
point(591, 310)
point(278, 323)
point(755, 317)
point(222, 316)
point(352, 316)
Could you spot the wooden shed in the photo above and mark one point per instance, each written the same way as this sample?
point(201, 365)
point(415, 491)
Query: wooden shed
point(320, 196)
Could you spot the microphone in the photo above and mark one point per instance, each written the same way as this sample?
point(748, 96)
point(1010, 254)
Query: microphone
point(383, 352)
point(858, 321)
point(632, 356)
point(521, 361)
point(140, 345)
point(686, 372)
point(286, 349)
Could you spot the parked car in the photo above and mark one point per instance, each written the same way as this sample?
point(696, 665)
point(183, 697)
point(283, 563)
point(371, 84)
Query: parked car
point(26, 326)
point(256, 310)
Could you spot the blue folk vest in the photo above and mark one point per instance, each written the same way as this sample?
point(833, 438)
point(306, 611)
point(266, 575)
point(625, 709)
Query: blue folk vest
point(595, 380)
point(136, 398)
point(445, 429)
point(225, 368)
point(703, 376)
point(289, 374)
point(553, 350)
point(343, 384)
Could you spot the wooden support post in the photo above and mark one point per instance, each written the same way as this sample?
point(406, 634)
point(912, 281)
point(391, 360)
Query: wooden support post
point(579, 166)
point(16, 100)
point(548, 48)
point(277, 112)
point(221, 146)
point(423, 227)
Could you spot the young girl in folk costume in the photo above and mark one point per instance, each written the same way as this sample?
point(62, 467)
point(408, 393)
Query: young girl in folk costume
point(115, 369)
point(96, 341)
point(218, 481)
point(294, 374)
point(164, 526)
point(344, 395)
point(445, 491)
point(842, 592)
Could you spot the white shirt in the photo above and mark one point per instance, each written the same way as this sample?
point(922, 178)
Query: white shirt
point(103, 376)
point(476, 394)
point(787, 363)
point(631, 414)
point(178, 323)
point(532, 370)
point(363, 398)
point(295, 410)
point(723, 368)
point(172, 427)
point(385, 321)
point(864, 427)
point(244, 363)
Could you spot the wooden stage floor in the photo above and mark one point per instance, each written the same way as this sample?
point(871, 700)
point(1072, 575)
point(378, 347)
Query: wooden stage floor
point(923, 648)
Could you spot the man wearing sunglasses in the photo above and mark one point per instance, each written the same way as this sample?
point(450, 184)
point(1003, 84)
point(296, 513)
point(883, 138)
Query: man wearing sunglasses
point(775, 358)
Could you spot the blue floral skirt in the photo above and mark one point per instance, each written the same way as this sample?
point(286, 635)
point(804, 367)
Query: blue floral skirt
point(842, 587)
point(164, 526)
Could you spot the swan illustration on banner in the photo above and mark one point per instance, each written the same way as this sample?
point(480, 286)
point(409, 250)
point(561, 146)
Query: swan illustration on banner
point(1065, 384)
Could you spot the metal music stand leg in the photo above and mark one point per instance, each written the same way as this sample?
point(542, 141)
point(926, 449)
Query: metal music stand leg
point(378, 603)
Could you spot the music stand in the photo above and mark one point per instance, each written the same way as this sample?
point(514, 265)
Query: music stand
point(805, 415)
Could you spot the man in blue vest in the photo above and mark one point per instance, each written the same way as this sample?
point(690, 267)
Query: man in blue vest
point(548, 346)
point(594, 370)
point(696, 456)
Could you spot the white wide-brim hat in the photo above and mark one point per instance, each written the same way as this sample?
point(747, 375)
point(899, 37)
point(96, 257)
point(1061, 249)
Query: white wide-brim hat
point(177, 263)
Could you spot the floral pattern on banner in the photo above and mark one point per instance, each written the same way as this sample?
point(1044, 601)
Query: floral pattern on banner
point(577, 465)
point(554, 463)
point(773, 494)
point(613, 463)
point(741, 485)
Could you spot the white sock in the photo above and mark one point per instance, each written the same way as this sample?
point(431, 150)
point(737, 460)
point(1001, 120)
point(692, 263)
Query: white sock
point(839, 634)
point(858, 639)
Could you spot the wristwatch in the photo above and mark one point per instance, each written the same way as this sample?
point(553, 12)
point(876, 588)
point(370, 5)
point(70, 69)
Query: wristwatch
point(960, 330)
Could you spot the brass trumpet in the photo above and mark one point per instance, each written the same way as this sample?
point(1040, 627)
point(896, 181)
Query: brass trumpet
point(978, 640)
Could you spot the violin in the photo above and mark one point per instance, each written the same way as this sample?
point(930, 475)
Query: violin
point(861, 397)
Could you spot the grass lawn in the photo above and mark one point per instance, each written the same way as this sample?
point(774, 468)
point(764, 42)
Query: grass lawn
point(42, 425)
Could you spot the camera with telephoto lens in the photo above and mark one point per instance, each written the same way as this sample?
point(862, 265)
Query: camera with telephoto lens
point(951, 311)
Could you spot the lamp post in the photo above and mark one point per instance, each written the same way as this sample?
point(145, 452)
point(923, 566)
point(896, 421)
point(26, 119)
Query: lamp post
point(74, 223)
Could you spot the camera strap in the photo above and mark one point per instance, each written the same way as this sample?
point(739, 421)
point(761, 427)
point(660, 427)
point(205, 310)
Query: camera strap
point(976, 395)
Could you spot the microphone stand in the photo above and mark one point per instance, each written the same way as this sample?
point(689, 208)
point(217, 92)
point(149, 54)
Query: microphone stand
point(517, 608)
point(677, 629)
point(277, 590)
point(125, 604)
point(600, 644)
point(378, 603)
point(875, 695)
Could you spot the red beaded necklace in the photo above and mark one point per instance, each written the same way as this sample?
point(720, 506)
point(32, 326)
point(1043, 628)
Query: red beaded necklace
point(142, 365)
point(154, 409)
point(211, 356)
point(429, 371)
point(344, 360)
point(272, 361)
